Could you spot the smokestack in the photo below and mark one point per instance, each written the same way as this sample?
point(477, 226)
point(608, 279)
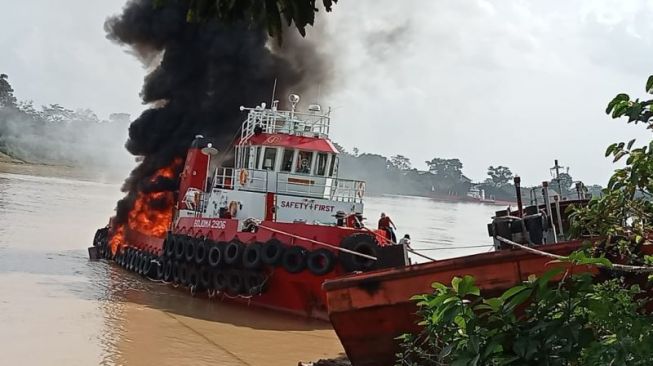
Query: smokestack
point(206, 72)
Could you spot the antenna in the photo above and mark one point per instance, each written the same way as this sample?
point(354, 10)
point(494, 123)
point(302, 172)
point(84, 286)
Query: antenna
point(274, 90)
point(556, 168)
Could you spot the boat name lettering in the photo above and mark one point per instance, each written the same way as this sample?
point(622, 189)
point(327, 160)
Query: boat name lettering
point(211, 224)
point(307, 206)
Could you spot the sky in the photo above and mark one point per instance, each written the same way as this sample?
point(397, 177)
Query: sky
point(513, 83)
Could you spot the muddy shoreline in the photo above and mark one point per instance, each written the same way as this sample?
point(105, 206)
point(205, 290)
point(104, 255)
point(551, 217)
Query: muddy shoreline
point(12, 165)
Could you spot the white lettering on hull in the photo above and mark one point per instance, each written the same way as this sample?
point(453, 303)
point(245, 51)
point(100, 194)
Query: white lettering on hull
point(210, 224)
point(308, 206)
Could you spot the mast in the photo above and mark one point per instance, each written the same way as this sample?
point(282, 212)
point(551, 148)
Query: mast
point(556, 178)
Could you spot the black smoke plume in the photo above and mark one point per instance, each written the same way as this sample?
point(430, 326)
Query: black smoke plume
point(205, 73)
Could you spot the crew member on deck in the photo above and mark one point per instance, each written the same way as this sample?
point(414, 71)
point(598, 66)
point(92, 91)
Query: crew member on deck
point(386, 224)
point(405, 241)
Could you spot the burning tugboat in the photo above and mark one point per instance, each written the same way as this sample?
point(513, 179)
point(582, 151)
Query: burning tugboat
point(266, 227)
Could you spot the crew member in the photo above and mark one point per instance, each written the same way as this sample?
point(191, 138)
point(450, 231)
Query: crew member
point(405, 241)
point(386, 224)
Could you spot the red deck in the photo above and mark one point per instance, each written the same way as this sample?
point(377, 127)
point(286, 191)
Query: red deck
point(369, 310)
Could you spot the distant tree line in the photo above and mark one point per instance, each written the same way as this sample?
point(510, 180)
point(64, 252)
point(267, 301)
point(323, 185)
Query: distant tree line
point(54, 134)
point(443, 177)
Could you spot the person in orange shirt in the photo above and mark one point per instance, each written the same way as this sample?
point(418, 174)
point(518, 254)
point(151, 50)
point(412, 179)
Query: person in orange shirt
point(386, 224)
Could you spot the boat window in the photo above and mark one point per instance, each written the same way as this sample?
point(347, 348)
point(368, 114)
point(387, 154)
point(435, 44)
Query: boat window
point(286, 163)
point(245, 154)
point(321, 163)
point(304, 159)
point(255, 151)
point(334, 166)
point(269, 157)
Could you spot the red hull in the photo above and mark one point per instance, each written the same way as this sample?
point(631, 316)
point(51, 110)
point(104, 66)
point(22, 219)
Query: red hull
point(295, 293)
point(369, 310)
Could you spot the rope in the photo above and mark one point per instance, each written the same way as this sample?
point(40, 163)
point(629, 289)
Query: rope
point(619, 267)
point(319, 243)
point(411, 250)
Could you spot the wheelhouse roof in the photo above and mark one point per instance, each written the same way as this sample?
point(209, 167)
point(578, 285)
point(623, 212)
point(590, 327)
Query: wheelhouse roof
point(294, 142)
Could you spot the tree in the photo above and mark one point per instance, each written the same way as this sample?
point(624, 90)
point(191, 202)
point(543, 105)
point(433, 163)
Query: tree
point(7, 98)
point(400, 162)
point(500, 175)
point(273, 15)
point(56, 113)
point(563, 183)
point(446, 168)
point(622, 218)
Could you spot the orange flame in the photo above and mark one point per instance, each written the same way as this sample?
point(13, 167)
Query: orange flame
point(146, 219)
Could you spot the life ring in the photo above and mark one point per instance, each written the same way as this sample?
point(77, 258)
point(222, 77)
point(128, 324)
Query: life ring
point(242, 178)
point(360, 189)
point(233, 208)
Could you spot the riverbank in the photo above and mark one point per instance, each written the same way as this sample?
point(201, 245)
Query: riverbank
point(12, 165)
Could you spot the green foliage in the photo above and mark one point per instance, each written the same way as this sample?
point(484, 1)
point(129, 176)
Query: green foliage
point(400, 162)
point(574, 322)
point(273, 15)
point(446, 168)
point(7, 98)
point(500, 175)
point(622, 217)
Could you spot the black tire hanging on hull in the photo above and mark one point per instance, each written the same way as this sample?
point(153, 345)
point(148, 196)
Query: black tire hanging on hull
point(167, 270)
point(189, 249)
point(201, 251)
point(252, 256)
point(272, 252)
point(194, 278)
point(215, 255)
point(205, 277)
point(235, 282)
point(219, 279)
point(170, 248)
point(175, 272)
point(294, 259)
point(320, 261)
point(183, 274)
point(179, 247)
point(361, 243)
point(254, 283)
point(233, 252)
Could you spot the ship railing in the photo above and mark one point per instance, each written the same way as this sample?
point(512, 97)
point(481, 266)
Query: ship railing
point(333, 189)
point(258, 180)
point(348, 190)
point(288, 122)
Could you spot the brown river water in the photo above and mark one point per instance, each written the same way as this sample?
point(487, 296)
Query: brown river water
point(58, 308)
